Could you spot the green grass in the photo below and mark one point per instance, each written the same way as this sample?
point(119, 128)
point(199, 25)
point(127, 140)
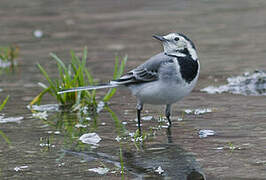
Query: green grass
point(121, 163)
point(9, 54)
point(73, 75)
point(5, 137)
point(118, 71)
point(120, 129)
point(1, 132)
point(3, 103)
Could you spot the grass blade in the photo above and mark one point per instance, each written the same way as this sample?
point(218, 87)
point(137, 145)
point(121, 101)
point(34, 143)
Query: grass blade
point(122, 67)
point(5, 137)
point(4, 103)
point(122, 163)
point(47, 77)
point(118, 71)
point(38, 98)
point(59, 61)
point(109, 94)
point(116, 67)
point(118, 125)
point(84, 57)
point(51, 83)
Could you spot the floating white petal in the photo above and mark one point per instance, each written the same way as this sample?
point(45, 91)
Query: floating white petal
point(45, 107)
point(198, 111)
point(20, 168)
point(40, 115)
point(80, 125)
point(10, 119)
point(206, 132)
point(99, 170)
point(146, 118)
point(159, 170)
point(90, 138)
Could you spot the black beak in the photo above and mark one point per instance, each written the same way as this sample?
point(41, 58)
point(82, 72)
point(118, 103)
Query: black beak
point(160, 38)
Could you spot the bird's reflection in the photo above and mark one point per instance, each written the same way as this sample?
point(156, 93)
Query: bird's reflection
point(163, 161)
point(156, 161)
point(169, 135)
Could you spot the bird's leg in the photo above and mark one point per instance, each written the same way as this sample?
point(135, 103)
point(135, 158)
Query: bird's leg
point(168, 113)
point(139, 108)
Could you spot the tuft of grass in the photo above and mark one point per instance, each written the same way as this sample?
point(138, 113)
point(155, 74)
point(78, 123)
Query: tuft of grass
point(75, 75)
point(232, 147)
point(9, 54)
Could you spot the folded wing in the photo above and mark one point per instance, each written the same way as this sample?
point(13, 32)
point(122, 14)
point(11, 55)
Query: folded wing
point(147, 72)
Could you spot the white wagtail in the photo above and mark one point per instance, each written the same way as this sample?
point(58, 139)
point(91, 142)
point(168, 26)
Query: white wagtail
point(164, 78)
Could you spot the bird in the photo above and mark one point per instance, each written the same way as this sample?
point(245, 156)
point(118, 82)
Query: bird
point(163, 79)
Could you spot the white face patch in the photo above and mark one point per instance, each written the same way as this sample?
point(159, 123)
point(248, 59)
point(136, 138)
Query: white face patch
point(191, 50)
point(177, 43)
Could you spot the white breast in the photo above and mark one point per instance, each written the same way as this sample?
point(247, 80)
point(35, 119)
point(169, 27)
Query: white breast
point(169, 89)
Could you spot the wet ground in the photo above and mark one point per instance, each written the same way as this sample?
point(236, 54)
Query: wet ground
point(230, 37)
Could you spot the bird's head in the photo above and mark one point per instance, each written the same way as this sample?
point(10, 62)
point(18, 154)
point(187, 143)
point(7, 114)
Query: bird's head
point(177, 44)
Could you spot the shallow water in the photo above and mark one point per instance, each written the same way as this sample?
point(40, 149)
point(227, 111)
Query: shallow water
point(151, 162)
point(230, 40)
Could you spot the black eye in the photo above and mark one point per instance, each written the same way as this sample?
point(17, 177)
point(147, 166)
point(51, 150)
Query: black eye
point(176, 39)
